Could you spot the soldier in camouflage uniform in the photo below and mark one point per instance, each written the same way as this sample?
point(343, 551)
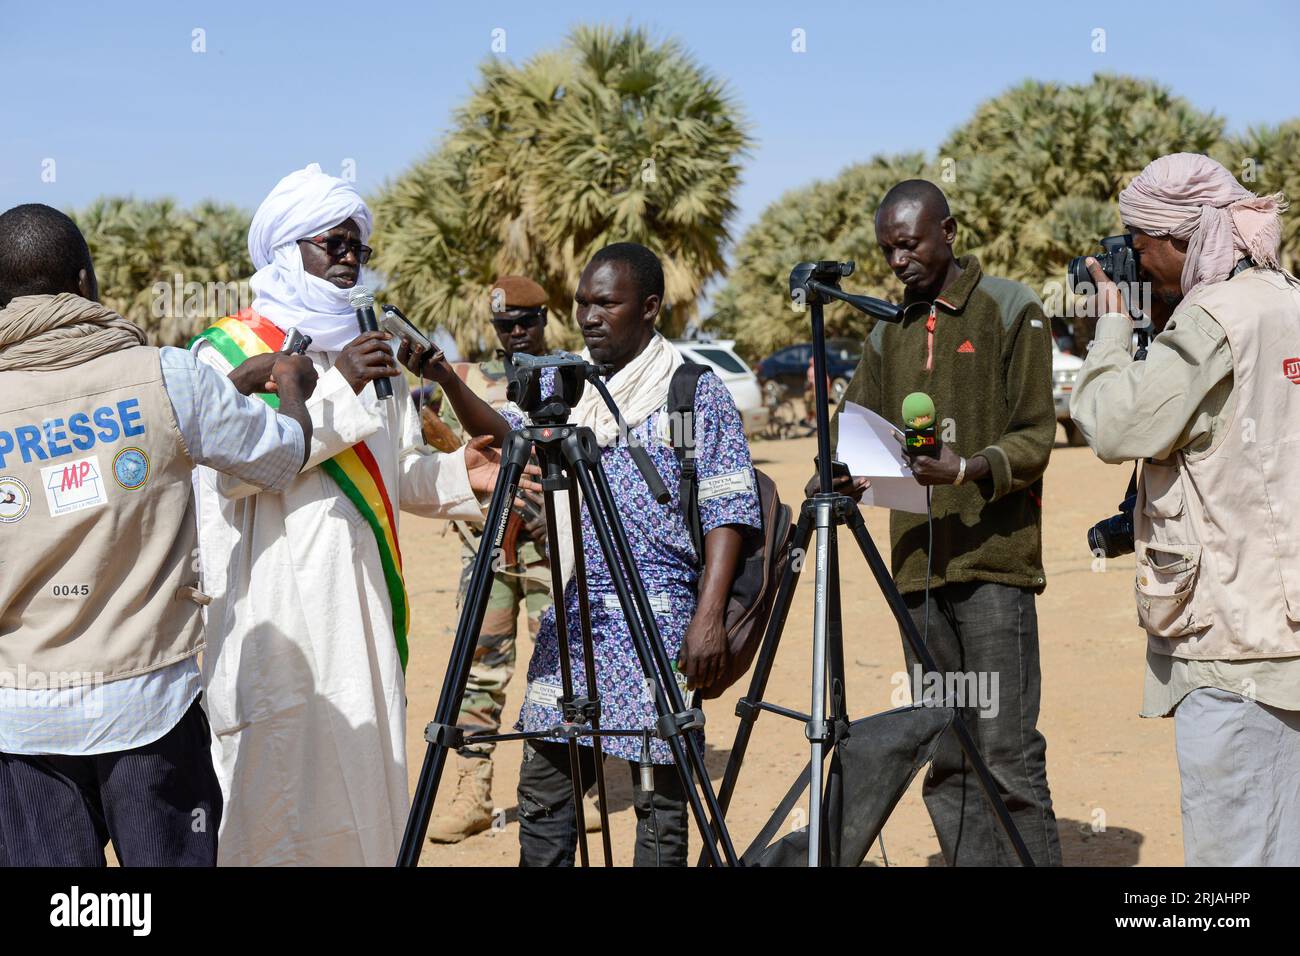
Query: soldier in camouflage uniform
point(519, 317)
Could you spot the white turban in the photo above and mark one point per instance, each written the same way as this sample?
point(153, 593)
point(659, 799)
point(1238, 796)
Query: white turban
point(304, 204)
point(1189, 196)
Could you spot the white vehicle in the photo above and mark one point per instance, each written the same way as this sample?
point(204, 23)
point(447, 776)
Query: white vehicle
point(739, 378)
point(1065, 368)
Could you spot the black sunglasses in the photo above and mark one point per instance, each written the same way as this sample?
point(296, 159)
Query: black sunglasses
point(527, 320)
point(339, 246)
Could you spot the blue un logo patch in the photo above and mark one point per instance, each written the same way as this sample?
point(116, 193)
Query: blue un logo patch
point(131, 468)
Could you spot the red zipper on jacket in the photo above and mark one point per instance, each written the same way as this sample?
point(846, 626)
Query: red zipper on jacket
point(929, 339)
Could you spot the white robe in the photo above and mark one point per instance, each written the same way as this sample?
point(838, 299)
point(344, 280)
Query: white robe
point(304, 687)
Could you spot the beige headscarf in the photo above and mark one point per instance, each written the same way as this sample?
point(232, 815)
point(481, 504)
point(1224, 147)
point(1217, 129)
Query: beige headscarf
point(39, 332)
point(1190, 196)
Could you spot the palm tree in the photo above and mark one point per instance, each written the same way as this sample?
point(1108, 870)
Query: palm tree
point(141, 246)
point(614, 137)
point(1032, 178)
point(826, 220)
point(1266, 160)
point(1037, 170)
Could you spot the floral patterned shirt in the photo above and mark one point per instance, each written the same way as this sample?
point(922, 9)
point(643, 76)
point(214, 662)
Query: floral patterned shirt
point(664, 556)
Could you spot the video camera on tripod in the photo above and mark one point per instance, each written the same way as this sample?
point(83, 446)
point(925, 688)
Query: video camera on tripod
point(571, 372)
point(569, 457)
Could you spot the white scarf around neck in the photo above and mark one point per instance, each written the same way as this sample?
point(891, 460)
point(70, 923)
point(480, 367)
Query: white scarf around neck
point(639, 389)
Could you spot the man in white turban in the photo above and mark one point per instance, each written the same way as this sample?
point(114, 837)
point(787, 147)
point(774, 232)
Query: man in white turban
point(308, 622)
point(1214, 415)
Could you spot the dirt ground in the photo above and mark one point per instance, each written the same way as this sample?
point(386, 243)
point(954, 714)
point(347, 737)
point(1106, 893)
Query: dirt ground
point(1113, 775)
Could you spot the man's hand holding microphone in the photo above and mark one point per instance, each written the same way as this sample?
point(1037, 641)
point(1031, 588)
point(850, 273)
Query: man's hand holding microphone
point(931, 461)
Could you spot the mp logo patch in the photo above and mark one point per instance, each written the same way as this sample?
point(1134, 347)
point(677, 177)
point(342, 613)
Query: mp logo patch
point(74, 486)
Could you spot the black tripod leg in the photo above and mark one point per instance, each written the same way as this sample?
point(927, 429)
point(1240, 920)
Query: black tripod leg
point(553, 480)
point(747, 706)
point(589, 666)
point(835, 633)
point(899, 609)
point(514, 456)
point(834, 793)
point(649, 646)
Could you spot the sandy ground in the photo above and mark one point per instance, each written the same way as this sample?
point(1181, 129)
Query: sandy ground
point(1113, 775)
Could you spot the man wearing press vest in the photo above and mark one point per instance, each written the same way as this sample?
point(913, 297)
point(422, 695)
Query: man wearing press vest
point(1212, 414)
point(101, 733)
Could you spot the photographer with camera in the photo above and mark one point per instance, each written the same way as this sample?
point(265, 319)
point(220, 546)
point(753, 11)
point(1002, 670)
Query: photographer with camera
point(980, 347)
point(1213, 413)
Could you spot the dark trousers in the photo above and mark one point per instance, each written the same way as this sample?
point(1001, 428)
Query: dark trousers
point(984, 632)
point(548, 828)
point(160, 804)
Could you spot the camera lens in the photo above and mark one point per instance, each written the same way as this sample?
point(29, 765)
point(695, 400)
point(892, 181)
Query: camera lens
point(1113, 537)
point(1078, 274)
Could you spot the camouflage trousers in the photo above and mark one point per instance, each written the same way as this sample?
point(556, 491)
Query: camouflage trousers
point(494, 656)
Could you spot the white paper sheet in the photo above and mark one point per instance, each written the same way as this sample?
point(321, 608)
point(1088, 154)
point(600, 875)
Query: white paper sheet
point(872, 448)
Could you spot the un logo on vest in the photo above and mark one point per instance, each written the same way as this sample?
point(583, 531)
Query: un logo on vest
point(1291, 369)
point(131, 468)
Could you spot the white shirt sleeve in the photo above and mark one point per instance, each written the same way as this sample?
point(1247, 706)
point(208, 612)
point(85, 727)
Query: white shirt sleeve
point(433, 484)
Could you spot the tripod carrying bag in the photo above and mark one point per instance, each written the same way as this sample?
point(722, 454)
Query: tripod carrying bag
point(763, 556)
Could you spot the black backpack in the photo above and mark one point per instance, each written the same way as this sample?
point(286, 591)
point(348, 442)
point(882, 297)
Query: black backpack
point(763, 556)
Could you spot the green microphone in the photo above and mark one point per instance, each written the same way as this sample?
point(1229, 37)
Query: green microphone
point(918, 426)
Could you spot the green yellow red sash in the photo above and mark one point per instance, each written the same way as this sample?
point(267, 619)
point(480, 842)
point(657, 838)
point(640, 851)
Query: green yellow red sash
point(355, 471)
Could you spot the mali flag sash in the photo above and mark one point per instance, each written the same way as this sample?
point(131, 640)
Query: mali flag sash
point(355, 471)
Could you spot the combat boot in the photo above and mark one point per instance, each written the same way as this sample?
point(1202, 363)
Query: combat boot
point(470, 810)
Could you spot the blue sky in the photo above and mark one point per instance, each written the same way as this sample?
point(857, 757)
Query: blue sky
point(115, 96)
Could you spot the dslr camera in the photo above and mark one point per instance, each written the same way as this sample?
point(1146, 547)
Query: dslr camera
point(1113, 536)
point(1118, 259)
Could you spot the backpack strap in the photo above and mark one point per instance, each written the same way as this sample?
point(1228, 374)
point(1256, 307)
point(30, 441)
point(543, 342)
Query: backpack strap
point(681, 408)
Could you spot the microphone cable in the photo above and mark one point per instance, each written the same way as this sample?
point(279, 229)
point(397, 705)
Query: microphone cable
point(929, 563)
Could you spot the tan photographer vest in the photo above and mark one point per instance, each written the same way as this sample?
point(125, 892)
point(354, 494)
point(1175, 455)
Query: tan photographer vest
point(98, 546)
point(1217, 534)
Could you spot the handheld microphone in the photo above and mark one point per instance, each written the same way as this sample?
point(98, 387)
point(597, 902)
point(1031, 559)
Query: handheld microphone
point(918, 426)
point(363, 300)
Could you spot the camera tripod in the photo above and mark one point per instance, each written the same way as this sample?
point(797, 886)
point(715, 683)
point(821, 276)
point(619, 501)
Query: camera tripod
point(570, 460)
point(825, 513)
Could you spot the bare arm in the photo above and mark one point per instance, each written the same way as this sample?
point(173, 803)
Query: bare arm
point(476, 416)
point(704, 649)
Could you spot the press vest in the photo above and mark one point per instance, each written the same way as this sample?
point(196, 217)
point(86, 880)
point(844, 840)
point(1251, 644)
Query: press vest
point(98, 546)
point(1217, 533)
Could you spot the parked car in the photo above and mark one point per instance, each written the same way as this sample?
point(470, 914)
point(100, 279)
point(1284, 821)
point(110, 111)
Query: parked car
point(788, 367)
point(720, 355)
point(1065, 368)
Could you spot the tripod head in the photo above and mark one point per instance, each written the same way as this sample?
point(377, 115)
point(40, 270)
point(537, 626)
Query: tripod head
point(818, 283)
point(572, 372)
point(571, 375)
